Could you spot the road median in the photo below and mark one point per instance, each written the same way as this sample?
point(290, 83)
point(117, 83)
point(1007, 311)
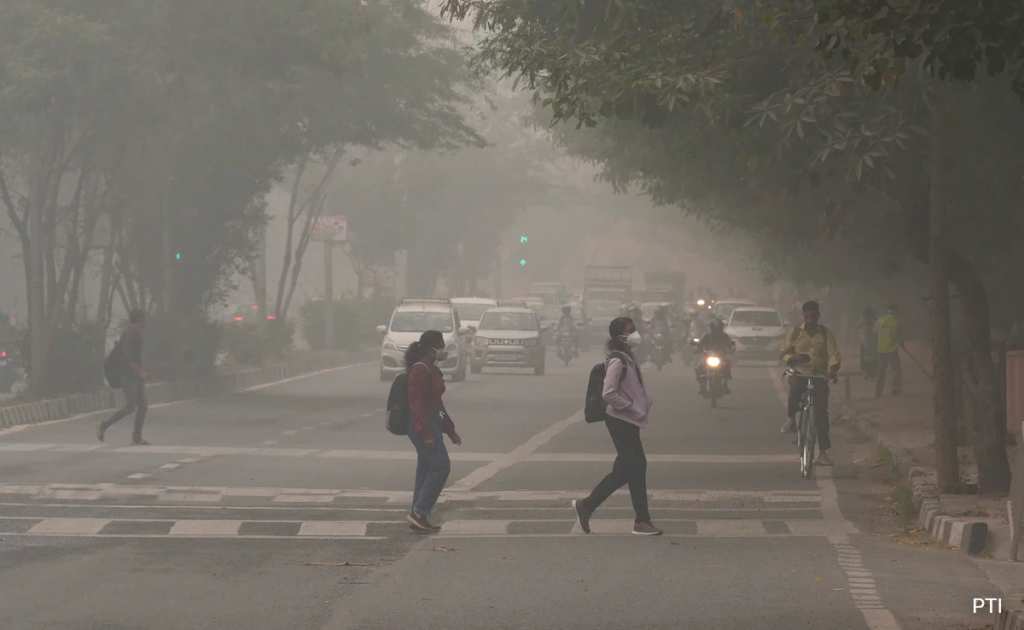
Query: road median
point(175, 391)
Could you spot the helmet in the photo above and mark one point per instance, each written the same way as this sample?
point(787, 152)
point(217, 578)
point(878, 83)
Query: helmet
point(566, 309)
point(716, 325)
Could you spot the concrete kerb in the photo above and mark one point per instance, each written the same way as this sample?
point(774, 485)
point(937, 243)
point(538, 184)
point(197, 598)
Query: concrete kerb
point(171, 391)
point(965, 535)
point(1010, 619)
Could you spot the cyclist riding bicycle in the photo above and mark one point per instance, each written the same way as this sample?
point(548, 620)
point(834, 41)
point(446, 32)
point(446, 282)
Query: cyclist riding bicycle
point(714, 341)
point(811, 349)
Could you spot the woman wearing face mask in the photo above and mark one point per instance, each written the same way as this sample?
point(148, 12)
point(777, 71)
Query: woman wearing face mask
point(628, 406)
point(430, 423)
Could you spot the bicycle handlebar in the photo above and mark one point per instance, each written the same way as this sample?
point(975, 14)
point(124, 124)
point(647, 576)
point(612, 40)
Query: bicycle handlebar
point(794, 374)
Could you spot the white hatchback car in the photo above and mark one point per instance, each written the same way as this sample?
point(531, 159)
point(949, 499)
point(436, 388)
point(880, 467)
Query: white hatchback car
point(758, 332)
point(471, 309)
point(412, 318)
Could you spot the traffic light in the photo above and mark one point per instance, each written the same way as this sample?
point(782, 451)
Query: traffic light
point(177, 255)
point(523, 239)
point(522, 263)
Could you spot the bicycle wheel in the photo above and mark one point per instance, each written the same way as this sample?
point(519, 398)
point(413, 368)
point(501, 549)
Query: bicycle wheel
point(809, 443)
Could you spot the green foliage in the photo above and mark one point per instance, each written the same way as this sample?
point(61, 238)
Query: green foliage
point(250, 343)
point(354, 321)
point(181, 347)
point(76, 357)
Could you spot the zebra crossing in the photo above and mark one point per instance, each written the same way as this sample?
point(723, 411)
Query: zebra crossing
point(182, 512)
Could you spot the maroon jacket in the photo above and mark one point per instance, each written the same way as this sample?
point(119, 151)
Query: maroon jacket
point(426, 386)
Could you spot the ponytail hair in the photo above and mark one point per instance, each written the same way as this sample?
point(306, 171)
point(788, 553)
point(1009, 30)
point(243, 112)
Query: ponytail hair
point(412, 355)
point(428, 340)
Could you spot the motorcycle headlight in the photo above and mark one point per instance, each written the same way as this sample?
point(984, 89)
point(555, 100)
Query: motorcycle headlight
point(531, 343)
point(482, 342)
point(714, 361)
point(390, 345)
point(700, 302)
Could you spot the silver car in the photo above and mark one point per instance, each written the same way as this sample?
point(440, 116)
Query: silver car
point(509, 338)
point(412, 318)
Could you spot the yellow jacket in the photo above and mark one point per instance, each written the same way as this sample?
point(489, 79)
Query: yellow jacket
point(889, 334)
point(821, 346)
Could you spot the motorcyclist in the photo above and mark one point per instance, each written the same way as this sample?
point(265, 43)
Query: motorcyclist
point(714, 341)
point(660, 325)
point(567, 326)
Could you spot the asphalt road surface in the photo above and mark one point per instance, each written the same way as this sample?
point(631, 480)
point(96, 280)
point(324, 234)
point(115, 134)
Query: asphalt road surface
point(284, 507)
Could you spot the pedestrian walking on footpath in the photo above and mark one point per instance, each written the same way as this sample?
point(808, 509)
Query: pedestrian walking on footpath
point(627, 408)
point(890, 340)
point(133, 380)
point(430, 423)
point(868, 343)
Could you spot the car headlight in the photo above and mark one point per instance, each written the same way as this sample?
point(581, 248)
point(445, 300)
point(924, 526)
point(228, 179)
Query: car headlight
point(390, 345)
point(482, 342)
point(714, 361)
point(531, 343)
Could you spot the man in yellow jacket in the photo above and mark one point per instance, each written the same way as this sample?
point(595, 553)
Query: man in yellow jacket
point(811, 349)
point(890, 340)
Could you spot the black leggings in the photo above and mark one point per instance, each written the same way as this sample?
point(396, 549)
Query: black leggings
point(630, 468)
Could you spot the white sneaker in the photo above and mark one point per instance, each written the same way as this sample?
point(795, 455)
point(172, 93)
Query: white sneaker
point(789, 427)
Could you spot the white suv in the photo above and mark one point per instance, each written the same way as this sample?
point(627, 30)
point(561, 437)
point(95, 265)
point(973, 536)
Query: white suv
point(412, 318)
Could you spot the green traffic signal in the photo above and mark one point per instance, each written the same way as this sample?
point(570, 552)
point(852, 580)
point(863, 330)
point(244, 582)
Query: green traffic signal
point(523, 239)
point(522, 263)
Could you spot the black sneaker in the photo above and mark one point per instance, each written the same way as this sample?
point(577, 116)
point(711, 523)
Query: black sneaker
point(419, 523)
point(100, 431)
point(582, 516)
point(646, 528)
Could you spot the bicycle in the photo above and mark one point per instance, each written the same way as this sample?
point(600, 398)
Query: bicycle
point(807, 433)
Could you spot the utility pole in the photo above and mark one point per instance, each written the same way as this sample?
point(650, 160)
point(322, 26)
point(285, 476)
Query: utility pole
point(36, 313)
point(329, 294)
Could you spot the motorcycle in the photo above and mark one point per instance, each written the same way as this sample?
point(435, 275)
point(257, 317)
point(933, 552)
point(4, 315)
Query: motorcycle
point(566, 349)
point(714, 374)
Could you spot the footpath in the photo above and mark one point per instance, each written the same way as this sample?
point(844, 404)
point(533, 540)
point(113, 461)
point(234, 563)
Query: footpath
point(903, 428)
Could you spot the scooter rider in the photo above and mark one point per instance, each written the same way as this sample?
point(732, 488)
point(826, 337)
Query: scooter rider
point(567, 325)
point(714, 341)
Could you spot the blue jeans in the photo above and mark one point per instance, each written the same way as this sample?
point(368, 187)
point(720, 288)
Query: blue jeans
point(432, 466)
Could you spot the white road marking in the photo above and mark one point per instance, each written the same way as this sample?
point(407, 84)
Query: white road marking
point(476, 527)
point(189, 460)
point(519, 454)
point(876, 616)
point(333, 528)
point(138, 476)
point(205, 528)
point(68, 526)
point(170, 466)
point(663, 459)
point(269, 442)
point(304, 498)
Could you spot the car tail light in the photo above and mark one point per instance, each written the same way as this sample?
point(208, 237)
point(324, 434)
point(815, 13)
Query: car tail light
point(239, 319)
point(253, 306)
point(271, 317)
point(3, 353)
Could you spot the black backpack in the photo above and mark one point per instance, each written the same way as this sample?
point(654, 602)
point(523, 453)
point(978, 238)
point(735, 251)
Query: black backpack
point(112, 366)
point(398, 412)
point(594, 407)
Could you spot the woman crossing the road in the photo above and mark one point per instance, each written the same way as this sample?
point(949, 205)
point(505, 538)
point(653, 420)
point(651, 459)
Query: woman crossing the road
point(627, 407)
point(430, 423)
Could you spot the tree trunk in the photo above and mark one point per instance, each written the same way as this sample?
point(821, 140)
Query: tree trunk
point(942, 352)
point(989, 426)
point(282, 281)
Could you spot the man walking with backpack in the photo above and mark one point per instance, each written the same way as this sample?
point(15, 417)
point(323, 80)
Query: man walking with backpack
point(133, 380)
point(623, 405)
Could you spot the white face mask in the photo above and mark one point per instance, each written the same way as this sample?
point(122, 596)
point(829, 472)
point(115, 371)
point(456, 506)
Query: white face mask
point(634, 340)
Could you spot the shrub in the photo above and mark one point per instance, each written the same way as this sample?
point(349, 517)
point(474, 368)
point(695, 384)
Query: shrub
point(246, 343)
point(75, 363)
point(354, 321)
point(181, 347)
point(255, 343)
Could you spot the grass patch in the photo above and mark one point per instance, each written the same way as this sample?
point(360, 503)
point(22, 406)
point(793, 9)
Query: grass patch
point(903, 499)
point(885, 456)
